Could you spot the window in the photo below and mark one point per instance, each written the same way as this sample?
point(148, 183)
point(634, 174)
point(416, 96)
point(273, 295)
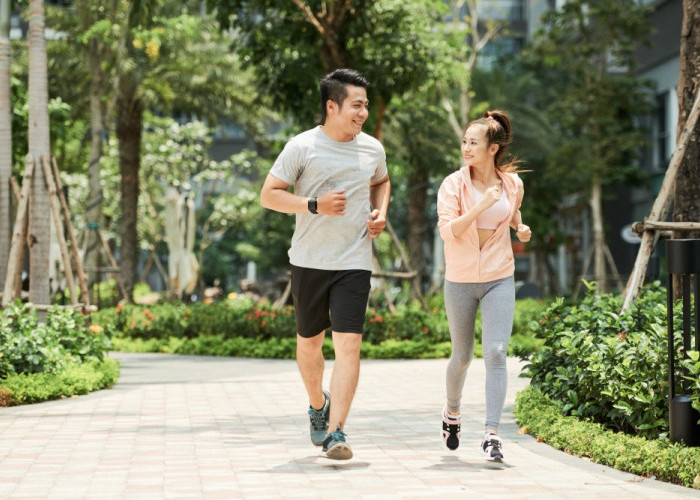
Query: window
point(660, 131)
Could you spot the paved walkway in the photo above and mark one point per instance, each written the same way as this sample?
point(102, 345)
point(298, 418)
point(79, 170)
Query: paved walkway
point(200, 427)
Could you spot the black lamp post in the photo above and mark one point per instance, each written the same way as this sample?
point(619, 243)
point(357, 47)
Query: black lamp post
point(683, 259)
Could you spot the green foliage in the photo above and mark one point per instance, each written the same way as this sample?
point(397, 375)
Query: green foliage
point(392, 42)
point(71, 380)
point(594, 95)
point(605, 365)
point(690, 375)
point(28, 346)
point(239, 327)
point(543, 417)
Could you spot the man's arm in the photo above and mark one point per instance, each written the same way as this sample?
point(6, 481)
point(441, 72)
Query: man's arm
point(275, 195)
point(379, 193)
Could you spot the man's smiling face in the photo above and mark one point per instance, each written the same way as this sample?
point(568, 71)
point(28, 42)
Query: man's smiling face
point(348, 118)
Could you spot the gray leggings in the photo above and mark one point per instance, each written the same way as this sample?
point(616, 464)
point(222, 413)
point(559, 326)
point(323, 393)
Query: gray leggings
point(497, 309)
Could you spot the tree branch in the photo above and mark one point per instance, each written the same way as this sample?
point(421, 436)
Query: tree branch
point(310, 15)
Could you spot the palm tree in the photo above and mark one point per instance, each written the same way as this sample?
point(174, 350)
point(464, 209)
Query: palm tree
point(39, 145)
point(5, 138)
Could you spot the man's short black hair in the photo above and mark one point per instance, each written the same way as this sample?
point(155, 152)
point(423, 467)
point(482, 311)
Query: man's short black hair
point(333, 87)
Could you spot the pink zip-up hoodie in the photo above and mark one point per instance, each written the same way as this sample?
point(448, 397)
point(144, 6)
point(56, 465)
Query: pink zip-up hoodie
point(464, 261)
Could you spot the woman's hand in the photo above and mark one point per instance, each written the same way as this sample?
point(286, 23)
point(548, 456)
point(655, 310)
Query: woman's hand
point(523, 233)
point(491, 196)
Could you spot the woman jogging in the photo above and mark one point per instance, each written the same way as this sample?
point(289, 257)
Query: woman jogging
point(476, 207)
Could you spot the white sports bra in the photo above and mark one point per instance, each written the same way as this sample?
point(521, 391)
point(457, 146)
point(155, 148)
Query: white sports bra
point(495, 214)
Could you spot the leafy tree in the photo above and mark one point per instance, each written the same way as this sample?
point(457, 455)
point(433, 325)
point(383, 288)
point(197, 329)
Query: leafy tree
point(586, 47)
point(167, 57)
point(292, 44)
point(231, 228)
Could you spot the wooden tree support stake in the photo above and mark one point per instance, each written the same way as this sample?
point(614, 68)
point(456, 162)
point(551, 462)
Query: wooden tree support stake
point(71, 234)
point(112, 261)
point(13, 277)
point(60, 215)
point(55, 213)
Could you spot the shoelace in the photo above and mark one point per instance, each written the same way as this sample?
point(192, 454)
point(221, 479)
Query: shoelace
point(338, 435)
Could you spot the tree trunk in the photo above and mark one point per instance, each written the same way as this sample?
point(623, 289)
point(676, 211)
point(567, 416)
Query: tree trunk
point(686, 206)
point(129, 121)
point(542, 273)
point(5, 140)
point(94, 204)
point(596, 203)
point(417, 198)
point(39, 145)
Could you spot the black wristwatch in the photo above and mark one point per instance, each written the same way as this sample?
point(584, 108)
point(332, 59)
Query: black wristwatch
point(313, 205)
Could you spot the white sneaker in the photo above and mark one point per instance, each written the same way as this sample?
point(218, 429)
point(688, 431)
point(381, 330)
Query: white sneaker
point(492, 447)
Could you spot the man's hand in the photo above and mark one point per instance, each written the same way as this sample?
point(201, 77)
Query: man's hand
point(332, 203)
point(375, 224)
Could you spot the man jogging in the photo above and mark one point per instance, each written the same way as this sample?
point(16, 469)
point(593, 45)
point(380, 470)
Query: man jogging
point(341, 194)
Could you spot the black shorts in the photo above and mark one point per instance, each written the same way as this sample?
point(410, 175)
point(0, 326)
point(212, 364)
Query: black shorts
point(329, 298)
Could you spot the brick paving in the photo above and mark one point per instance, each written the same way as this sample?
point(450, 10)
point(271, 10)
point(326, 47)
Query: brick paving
point(203, 427)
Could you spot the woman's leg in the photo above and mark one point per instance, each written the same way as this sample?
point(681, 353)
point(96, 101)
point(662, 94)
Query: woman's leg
point(460, 305)
point(497, 311)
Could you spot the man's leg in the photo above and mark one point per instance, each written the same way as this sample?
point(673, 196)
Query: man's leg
point(348, 303)
point(346, 372)
point(311, 363)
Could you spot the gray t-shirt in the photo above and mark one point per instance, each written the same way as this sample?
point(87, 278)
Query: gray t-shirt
point(314, 163)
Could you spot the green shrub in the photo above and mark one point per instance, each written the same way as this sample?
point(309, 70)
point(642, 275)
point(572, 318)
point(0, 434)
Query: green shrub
point(70, 380)
point(28, 346)
point(239, 318)
point(542, 417)
point(604, 365)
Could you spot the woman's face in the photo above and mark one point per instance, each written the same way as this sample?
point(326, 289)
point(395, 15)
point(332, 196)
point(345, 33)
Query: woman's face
point(475, 146)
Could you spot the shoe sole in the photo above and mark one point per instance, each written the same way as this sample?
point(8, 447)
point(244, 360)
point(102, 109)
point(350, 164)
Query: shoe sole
point(491, 459)
point(339, 452)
